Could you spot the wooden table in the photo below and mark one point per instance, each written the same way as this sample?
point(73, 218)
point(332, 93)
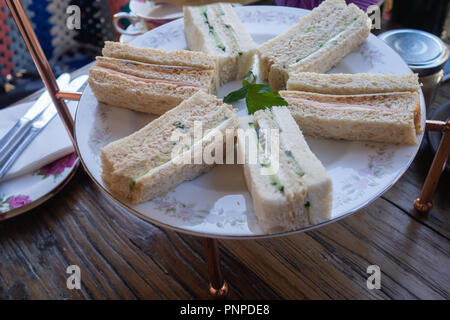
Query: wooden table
point(123, 257)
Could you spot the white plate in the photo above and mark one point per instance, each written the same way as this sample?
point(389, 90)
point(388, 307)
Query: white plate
point(25, 192)
point(217, 204)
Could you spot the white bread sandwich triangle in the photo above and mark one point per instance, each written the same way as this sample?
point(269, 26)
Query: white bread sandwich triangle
point(151, 80)
point(315, 44)
point(392, 117)
point(143, 165)
point(217, 30)
point(293, 194)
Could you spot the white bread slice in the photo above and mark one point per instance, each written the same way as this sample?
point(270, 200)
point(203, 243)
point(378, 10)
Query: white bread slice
point(384, 117)
point(142, 166)
point(217, 30)
point(357, 83)
point(315, 44)
point(159, 56)
point(151, 80)
point(298, 194)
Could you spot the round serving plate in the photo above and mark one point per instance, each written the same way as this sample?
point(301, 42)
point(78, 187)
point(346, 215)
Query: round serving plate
point(217, 204)
point(23, 193)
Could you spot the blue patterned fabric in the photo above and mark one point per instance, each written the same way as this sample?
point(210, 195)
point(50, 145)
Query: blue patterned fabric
point(65, 49)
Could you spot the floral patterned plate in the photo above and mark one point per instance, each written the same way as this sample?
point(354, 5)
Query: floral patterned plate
point(217, 204)
point(23, 193)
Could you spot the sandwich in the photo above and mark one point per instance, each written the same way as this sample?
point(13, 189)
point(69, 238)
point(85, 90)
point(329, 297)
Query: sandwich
point(357, 83)
point(161, 155)
point(151, 80)
point(392, 117)
point(290, 188)
point(315, 44)
point(217, 30)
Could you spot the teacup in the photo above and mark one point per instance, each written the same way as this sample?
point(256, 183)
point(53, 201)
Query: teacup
point(151, 13)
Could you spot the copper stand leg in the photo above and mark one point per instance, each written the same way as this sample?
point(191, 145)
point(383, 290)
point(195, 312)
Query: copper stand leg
point(423, 203)
point(41, 62)
point(218, 287)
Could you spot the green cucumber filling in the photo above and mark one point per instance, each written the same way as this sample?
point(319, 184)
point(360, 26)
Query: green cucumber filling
point(294, 164)
point(180, 125)
point(231, 34)
point(132, 185)
point(229, 31)
point(274, 180)
point(272, 116)
point(256, 129)
point(327, 41)
point(212, 32)
point(291, 160)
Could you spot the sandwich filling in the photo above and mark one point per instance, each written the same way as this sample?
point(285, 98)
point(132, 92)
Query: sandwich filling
point(264, 161)
point(331, 40)
point(211, 126)
point(219, 30)
point(220, 124)
point(186, 76)
point(212, 31)
point(329, 105)
point(143, 79)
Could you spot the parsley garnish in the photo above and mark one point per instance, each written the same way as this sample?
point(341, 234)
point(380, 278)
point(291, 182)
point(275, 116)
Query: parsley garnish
point(257, 95)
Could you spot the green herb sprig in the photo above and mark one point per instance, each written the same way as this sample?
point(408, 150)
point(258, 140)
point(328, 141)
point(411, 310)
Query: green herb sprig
point(257, 95)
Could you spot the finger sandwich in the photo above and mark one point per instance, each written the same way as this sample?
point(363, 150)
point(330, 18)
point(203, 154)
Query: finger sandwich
point(151, 80)
point(291, 190)
point(315, 44)
point(151, 161)
point(392, 117)
point(216, 29)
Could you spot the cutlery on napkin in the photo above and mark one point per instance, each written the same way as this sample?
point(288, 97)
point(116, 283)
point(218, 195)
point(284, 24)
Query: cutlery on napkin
point(51, 144)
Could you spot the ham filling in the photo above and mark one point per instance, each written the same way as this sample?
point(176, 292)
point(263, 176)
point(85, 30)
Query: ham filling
point(152, 66)
point(317, 104)
point(146, 80)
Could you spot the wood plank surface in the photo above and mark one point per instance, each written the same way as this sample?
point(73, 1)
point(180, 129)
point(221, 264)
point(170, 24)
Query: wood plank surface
point(123, 257)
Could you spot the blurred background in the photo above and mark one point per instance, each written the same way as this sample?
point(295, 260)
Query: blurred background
point(68, 50)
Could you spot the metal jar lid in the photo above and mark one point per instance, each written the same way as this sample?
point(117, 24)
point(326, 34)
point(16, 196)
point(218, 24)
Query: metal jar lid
point(424, 53)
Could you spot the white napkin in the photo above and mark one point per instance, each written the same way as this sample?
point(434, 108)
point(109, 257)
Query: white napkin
point(51, 144)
